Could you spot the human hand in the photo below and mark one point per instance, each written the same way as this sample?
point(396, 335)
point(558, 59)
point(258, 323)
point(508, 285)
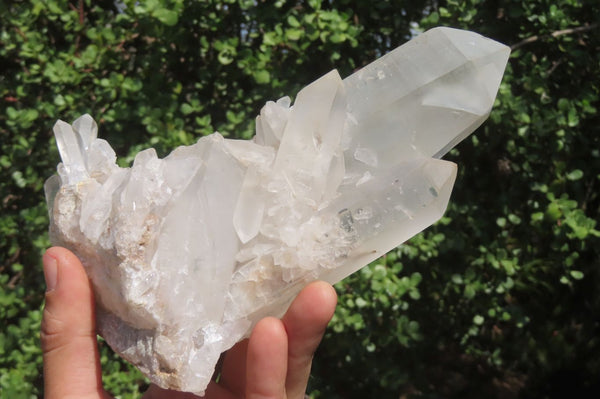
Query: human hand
point(274, 363)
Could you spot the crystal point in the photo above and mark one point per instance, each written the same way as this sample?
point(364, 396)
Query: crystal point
point(188, 252)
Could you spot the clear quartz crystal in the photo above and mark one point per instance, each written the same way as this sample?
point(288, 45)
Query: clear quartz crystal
point(188, 252)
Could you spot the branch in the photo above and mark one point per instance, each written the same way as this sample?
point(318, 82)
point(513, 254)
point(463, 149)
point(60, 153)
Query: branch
point(557, 33)
point(81, 12)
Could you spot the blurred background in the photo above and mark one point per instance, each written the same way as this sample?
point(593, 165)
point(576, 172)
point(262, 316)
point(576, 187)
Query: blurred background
point(500, 299)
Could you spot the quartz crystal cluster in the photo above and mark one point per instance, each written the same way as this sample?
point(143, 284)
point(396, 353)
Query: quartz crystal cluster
point(188, 252)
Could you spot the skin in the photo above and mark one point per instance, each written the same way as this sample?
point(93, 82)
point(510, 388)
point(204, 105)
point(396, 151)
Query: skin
point(274, 363)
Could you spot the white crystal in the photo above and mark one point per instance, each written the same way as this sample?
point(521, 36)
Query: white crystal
point(188, 252)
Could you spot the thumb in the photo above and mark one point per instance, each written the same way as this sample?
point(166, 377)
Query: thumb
point(71, 363)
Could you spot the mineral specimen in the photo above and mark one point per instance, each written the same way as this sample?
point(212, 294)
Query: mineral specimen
point(188, 252)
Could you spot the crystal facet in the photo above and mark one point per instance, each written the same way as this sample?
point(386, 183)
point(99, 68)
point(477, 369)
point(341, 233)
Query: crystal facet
point(188, 252)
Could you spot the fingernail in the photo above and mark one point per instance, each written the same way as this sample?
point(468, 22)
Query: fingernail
point(50, 272)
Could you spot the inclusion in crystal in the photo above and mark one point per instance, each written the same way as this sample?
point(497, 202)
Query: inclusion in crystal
point(188, 252)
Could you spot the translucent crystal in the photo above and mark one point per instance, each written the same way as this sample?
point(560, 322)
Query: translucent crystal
point(188, 252)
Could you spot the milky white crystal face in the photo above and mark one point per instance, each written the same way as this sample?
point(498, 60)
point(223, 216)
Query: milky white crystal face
point(188, 252)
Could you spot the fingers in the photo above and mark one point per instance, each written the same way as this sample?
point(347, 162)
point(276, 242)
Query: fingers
point(305, 322)
point(68, 334)
point(266, 366)
point(278, 353)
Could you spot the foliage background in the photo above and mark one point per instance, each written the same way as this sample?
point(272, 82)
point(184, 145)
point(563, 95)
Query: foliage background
point(499, 299)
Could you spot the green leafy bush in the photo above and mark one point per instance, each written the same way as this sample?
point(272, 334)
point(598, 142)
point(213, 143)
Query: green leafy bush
point(500, 298)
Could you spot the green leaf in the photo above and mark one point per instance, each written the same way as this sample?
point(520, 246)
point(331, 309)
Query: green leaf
point(262, 76)
point(563, 104)
point(416, 278)
point(537, 216)
point(576, 274)
point(294, 34)
point(514, 219)
point(186, 109)
point(360, 302)
point(379, 272)
point(293, 22)
point(575, 175)
point(315, 4)
point(469, 291)
point(167, 17)
point(226, 55)
point(433, 18)
point(572, 118)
